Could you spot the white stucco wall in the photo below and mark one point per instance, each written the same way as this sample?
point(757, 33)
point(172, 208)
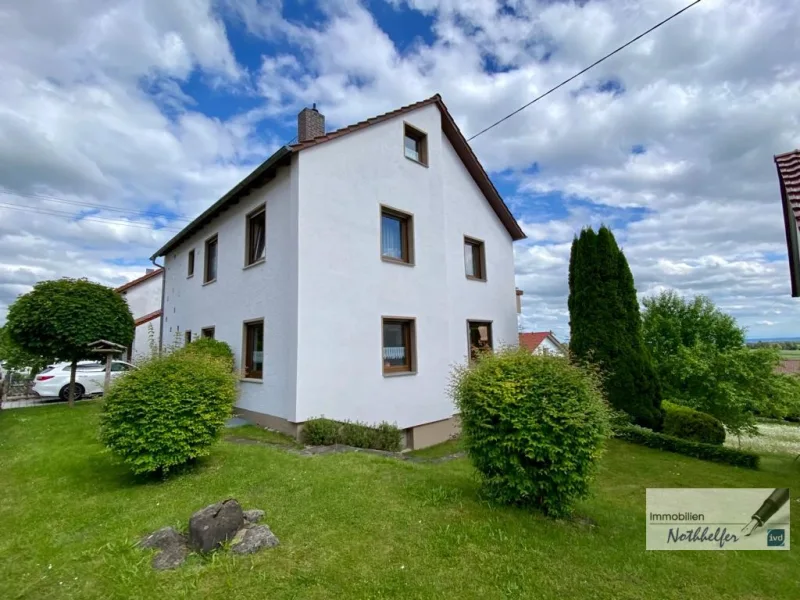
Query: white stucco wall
point(267, 290)
point(143, 299)
point(548, 347)
point(345, 288)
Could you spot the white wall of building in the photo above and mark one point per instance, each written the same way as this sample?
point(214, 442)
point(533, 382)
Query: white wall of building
point(548, 347)
point(345, 288)
point(267, 290)
point(143, 299)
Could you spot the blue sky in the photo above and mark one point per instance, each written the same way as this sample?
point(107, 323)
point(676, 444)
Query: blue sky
point(155, 109)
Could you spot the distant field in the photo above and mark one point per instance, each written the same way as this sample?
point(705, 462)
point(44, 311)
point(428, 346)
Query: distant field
point(790, 354)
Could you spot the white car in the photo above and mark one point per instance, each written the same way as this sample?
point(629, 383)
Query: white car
point(53, 382)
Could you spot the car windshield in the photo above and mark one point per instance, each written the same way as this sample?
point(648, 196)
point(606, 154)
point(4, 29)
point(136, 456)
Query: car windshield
point(45, 370)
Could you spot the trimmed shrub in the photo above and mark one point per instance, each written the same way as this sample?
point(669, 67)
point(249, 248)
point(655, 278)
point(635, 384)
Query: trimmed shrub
point(167, 412)
point(211, 348)
point(690, 424)
point(326, 432)
point(533, 426)
point(710, 452)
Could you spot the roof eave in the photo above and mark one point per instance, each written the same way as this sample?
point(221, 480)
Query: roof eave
point(238, 191)
point(791, 226)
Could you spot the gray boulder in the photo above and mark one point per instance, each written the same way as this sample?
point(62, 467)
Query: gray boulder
point(254, 539)
point(172, 545)
point(213, 525)
point(253, 515)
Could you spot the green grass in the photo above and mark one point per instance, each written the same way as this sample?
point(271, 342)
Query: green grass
point(438, 451)
point(251, 432)
point(351, 526)
point(790, 353)
point(774, 437)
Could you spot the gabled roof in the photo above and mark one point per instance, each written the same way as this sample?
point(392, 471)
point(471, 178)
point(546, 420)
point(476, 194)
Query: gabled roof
point(532, 341)
point(282, 157)
point(788, 165)
point(142, 279)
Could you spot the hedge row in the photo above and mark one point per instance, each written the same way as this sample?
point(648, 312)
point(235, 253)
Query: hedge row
point(326, 432)
point(721, 454)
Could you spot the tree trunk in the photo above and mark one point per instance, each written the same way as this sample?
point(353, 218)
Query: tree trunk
point(73, 368)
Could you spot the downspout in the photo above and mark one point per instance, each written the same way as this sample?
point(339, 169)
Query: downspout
point(163, 286)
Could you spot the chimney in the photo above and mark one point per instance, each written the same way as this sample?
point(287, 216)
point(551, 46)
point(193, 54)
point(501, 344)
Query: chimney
point(310, 124)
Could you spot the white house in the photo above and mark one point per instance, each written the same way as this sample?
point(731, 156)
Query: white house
point(143, 296)
point(350, 272)
point(542, 342)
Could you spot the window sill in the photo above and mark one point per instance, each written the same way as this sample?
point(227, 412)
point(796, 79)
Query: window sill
point(396, 261)
point(209, 282)
point(250, 380)
point(471, 278)
point(255, 264)
point(398, 373)
point(190, 276)
point(415, 161)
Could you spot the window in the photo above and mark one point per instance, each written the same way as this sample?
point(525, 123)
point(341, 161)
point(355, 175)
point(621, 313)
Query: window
point(187, 336)
point(256, 238)
point(190, 269)
point(415, 144)
point(480, 338)
point(396, 236)
point(207, 332)
point(474, 259)
point(211, 260)
point(398, 346)
point(254, 350)
point(119, 367)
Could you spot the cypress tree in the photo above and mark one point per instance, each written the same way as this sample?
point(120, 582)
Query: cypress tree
point(605, 325)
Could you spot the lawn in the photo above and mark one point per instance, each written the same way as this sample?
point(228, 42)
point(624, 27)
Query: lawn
point(351, 526)
point(774, 438)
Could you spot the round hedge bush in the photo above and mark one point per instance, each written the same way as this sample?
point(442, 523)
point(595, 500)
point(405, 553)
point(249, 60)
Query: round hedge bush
point(168, 411)
point(210, 347)
point(690, 424)
point(533, 426)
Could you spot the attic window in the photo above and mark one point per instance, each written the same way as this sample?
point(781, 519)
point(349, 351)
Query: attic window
point(415, 144)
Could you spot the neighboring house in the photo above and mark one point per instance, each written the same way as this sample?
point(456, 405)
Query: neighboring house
point(143, 296)
point(542, 342)
point(788, 165)
point(350, 271)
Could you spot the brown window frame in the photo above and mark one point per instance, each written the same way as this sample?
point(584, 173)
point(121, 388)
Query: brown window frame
point(406, 235)
point(190, 264)
point(204, 332)
point(247, 350)
point(249, 261)
point(421, 138)
point(481, 247)
point(214, 239)
point(470, 348)
point(410, 343)
point(187, 337)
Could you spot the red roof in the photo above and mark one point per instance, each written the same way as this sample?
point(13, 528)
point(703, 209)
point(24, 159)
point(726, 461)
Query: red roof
point(531, 341)
point(143, 278)
point(788, 165)
point(147, 318)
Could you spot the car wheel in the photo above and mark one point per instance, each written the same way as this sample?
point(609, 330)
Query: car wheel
point(79, 392)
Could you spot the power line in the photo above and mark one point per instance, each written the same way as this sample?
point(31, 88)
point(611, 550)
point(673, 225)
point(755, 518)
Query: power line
point(591, 66)
point(91, 205)
point(94, 219)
